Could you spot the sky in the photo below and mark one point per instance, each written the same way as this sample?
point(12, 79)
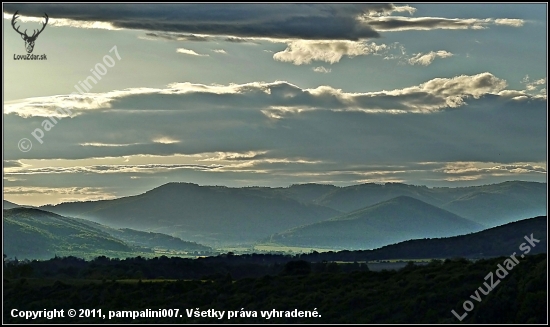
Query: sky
point(133, 96)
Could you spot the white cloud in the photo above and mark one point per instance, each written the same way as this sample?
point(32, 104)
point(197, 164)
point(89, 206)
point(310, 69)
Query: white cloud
point(304, 51)
point(165, 140)
point(190, 52)
point(61, 22)
point(510, 22)
point(321, 69)
point(464, 85)
point(534, 87)
point(108, 169)
point(428, 58)
point(479, 168)
point(386, 10)
point(222, 156)
point(277, 99)
point(55, 190)
point(535, 84)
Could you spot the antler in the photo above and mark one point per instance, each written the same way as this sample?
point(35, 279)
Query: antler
point(15, 27)
point(35, 33)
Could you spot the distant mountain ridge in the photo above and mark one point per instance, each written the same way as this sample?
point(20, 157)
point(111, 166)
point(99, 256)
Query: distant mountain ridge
point(490, 205)
point(224, 215)
point(201, 213)
point(398, 219)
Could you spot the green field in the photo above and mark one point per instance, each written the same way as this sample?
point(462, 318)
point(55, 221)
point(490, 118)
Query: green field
point(273, 247)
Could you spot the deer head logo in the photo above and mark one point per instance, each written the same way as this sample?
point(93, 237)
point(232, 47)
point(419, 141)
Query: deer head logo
point(29, 40)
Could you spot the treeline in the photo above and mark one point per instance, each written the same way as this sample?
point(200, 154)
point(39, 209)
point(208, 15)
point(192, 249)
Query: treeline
point(414, 294)
point(242, 266)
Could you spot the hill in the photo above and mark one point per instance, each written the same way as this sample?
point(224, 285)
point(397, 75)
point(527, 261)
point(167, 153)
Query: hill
point(490, 205)
point(399, 219)
point(497, 204)
point(149, 239)
point(493, 242)
point(205, 214)
point(37, 234)
point(32, 233)
point(10, 205)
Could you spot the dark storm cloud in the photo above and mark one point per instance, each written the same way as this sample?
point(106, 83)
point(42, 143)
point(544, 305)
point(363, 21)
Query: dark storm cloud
point(301, 21)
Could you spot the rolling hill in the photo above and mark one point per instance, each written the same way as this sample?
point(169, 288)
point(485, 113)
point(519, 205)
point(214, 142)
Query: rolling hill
point(205, 214)
point(492, 242)
point(32, 233)
point(490, 205)
point(399, 219)
point(502, 240)
point(149, 239)
point(37, 234)
point(498, 204)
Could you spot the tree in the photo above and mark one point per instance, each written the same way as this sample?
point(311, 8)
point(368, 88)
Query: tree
point(299, 267)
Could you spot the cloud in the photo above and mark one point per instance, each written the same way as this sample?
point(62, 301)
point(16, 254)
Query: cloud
point(428, 58)
point(233, 39)
point(244, 23)
point(295, 21)
point(303, 52)
point(97, 144)
point(460, 86)
point(533, 86)
point(190, 52)
point(510, 22)
point(56, 190)
point(464, 171)
point(221, 156)
point(398, 24)
point(321, 69)
point(22, 194)
point(280, 98)
point(249, 130)
point(176, 37)
point(165, 140)
point(12, 163)
point(61, 22)
point(107, 169)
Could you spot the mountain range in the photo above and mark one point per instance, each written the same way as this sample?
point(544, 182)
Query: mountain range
point(206, 214)
point(220, 216)
point(391, 221)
